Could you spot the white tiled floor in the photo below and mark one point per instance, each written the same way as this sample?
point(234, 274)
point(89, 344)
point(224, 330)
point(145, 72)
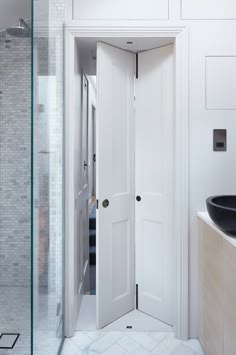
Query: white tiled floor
point(125, 343)
point(147, 336)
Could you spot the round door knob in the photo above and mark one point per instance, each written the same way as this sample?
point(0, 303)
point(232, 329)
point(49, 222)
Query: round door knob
point(138, 198)
point(105, 203)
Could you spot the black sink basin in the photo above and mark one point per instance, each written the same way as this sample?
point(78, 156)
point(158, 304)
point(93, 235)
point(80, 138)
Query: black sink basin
point(222, 210)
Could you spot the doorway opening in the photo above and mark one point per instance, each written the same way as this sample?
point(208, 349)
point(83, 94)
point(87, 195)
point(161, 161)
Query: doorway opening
point(114, 101)
point(141, 279)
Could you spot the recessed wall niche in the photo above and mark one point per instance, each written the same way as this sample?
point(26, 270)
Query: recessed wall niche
point(208, 9)
point(122, 9)
point(221, 83)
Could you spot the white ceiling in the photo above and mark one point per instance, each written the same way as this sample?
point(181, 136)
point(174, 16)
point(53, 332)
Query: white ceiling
point(12, 10)
point(88, 47)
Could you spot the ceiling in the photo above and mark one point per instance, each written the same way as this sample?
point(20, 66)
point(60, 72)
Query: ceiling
point(88, 47)
point(12, 10)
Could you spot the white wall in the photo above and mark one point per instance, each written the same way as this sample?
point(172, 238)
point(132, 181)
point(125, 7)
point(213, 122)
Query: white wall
point(210, 34)
point(132, 9)
point(211, 173)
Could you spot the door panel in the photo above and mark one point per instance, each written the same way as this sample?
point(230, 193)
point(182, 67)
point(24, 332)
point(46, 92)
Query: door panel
point(81, 247)
point(94, 150)
point(115, 182)
point(154, 159)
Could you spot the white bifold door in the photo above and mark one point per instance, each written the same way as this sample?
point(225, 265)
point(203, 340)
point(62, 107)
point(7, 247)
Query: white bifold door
point(115, 183)
point(154, 178)
point(135, 169)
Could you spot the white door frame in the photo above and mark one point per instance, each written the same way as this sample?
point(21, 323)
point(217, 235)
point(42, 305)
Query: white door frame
point(180, 34)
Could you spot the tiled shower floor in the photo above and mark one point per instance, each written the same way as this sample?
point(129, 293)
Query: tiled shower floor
point(15, 317)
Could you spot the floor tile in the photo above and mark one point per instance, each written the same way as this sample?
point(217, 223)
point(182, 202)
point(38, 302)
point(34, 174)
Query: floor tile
point(126, 343)
point(82, 340)
point(115, 350)
point(183, 350)
point(105, 342)
point(167, 345)
point(95, 335)
point(158, 336)
point(195, 345)
point(70, 348)
point(143, 339)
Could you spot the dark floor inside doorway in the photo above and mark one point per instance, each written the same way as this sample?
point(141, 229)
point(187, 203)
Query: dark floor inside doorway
point(92, 250)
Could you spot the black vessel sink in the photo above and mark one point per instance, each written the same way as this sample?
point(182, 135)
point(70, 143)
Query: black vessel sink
point(222, 210)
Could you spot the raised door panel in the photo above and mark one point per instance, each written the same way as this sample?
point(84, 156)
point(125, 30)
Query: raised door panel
point(229, 298)
point(122, 9)
point(210, 290)
point(220, 83)
point(208, 9)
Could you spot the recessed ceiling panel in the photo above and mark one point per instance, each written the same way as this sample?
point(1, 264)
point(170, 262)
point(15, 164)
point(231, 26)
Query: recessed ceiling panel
point(122, 9)
point(208, 9)
point(220, 83)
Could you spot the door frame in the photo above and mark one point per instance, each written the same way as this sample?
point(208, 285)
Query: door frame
point(180, 34)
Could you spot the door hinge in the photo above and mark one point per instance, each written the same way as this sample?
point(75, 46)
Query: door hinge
point(136, 296)
point(136, 65)
point(97, 204)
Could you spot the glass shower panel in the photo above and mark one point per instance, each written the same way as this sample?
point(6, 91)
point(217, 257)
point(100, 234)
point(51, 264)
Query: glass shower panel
point(15, 178)
point(48, 249)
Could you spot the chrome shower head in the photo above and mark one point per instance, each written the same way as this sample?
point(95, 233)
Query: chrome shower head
point(22, 30)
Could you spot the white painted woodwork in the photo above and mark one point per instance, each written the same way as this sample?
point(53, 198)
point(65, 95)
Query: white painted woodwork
point(221, 83)
point(217, 288)
point(129, 10)
point(76, 193)
point(208, 9)
point(73, 162)
point(180, 219)
point(154, 176)
point(85, 186)
point(91, 136)
point(81, 248)
point(84, 145)
point(94, 152)
point(115, 182)
point(229, 297)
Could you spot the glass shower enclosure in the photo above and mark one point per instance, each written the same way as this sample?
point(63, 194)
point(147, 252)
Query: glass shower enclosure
point(31, 177)
point(48, 226)
point(15, 179)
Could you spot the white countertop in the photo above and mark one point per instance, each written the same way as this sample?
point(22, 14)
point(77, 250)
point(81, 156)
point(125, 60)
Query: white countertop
point(206, 218)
